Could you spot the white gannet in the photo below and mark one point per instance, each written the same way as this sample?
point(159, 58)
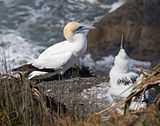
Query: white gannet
point(61, 56)
point(121, 78)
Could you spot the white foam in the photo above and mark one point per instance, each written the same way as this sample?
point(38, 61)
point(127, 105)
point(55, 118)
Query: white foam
point(16, 50)
point(116, 5)
point(9, 3)
point(34, 15)
point(87, 61)
point(90, 1)
point(105, 63)
point(142, 64)
point(38, 2)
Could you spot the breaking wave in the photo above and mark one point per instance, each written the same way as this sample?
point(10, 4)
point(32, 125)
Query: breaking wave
point(15, 50)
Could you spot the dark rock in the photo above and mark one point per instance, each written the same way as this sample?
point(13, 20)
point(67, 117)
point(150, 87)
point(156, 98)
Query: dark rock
point(69, 93)
point(140, 22)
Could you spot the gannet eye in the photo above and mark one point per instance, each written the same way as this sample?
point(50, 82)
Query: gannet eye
point(79, 29)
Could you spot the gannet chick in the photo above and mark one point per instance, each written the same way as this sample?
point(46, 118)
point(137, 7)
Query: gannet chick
point(61, 56)
point(121, 78)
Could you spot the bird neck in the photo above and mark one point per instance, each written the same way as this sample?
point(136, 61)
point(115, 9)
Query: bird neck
point(79, 38)
point(80, 43)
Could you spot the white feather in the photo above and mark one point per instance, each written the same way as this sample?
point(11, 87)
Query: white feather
point(36, 73)
point(121, 79)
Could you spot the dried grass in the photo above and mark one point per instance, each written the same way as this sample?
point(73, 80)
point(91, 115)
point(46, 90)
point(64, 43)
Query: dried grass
point(18, 106)
point(151, 80)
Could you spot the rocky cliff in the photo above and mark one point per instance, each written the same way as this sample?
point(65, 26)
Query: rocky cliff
point(139, 20)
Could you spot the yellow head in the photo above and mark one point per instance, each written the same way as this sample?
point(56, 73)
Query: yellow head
point(75, 27)
point(70, 28)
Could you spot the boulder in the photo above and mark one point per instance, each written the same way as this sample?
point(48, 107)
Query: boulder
point(139, 20)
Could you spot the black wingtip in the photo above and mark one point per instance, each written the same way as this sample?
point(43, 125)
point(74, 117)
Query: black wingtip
point(25, 67)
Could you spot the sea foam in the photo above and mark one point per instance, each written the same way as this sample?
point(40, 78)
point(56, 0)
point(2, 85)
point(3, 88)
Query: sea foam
point(15, 50)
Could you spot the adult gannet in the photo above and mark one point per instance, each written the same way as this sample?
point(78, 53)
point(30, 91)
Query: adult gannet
point(61, 56)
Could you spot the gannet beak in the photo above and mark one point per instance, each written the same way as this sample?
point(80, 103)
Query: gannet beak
point(89, 27)
point(84, 28)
